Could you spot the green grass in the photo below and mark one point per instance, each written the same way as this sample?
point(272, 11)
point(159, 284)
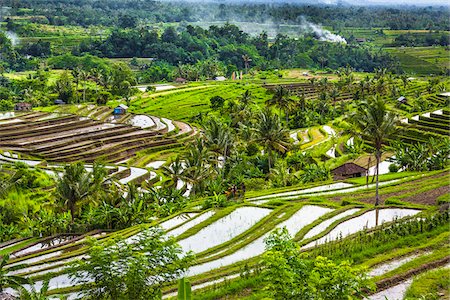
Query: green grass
point(384, 177)
point(19, 246)
point(422, 60)
point(434, 284)
point(420, 261)
point(183, 104)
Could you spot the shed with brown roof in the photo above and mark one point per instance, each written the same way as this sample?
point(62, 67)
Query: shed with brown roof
point(181, 80)
point(22, 106)
point(348, 170)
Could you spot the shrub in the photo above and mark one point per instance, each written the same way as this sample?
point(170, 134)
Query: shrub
point(443, 199)
point(394, 201)
point(255, 183)
point(217, 102)
point(393, 168)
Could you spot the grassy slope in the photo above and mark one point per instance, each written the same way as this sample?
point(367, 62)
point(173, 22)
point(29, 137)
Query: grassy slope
point(186, 103)
point(422, 60)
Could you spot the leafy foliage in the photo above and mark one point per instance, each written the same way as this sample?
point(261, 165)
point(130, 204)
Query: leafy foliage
point(134, 268)
point(291, 275)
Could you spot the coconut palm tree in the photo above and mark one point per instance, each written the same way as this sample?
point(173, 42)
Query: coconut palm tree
point(174, 172)
point(84, 76)
point(8, 184)
point(198, 160)
point(270, 134)
point(283, 100)
point(247, 61)
point(76, 74)
point(34, 294)
point(74, 186)
point(375, 124)
point(218, 137)
point(246, 98)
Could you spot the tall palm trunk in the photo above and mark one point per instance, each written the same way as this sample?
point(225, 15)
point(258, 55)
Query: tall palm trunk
point(377, 196)
point(84, 91)
point(72, 212)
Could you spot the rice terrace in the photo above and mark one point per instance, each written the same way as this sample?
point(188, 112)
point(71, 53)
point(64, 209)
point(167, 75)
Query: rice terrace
point(193, 149)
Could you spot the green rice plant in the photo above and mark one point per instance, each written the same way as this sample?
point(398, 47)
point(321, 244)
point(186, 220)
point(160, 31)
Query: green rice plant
point(431, 285)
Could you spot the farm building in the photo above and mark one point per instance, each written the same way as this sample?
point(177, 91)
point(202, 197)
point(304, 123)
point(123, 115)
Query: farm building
point(22, 106)
point(180, 80)
point(348, 170)
point(59, 102)
point(402, 100)
point(120, 110)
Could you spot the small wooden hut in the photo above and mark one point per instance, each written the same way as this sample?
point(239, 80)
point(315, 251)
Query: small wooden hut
point(22, 106)
point(348, 170)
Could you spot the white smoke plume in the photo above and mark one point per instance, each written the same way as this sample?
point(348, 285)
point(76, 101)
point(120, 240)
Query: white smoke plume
point(12, 37)
point(322, 34)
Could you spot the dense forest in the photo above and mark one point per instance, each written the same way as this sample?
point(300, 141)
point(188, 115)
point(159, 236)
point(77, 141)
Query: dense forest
point(233, 49)
point(113, 12)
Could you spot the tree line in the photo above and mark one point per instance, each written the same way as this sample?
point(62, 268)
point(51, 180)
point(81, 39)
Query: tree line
point(131, 12)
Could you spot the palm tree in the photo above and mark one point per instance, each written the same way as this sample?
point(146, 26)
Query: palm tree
point(174, 171)
point(323, 61)
point(84, 75)
point(247, 61)
point(7, 185)
point(76, 73)
point(74, 186)
point(198, 161)
point(218, 137)
point(282, 99)
point(271, 134)
point(374, 123)
point(246, 98)
point(12, 281)
point(36, 295)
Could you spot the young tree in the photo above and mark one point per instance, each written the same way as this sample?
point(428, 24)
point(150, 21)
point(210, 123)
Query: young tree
point(6, 280)
point(135, 268)
point(374, 123)
point(35, 295)
point(63, 87)
point(288, 274)
point(217, 102)
point(74, 186)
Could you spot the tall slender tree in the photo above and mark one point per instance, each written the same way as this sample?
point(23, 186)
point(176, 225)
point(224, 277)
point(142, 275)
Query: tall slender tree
point(271, 134)
point(283, 100)
point(374, 123)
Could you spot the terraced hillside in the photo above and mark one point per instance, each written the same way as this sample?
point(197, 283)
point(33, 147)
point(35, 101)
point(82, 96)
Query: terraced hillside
point(229, 239)
point(61, 138)
point(421, 128)
point(308, 90)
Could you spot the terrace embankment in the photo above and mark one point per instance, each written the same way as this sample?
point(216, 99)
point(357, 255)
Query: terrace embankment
point(419, 191)
point(68, 138)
